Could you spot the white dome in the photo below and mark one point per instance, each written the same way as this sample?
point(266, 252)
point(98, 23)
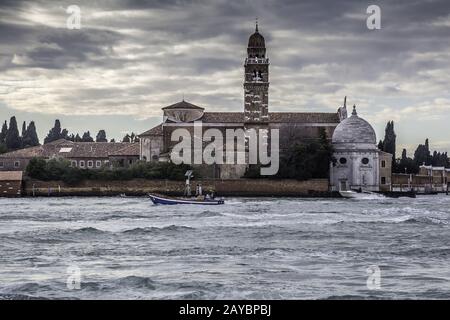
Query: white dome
point(354, 130)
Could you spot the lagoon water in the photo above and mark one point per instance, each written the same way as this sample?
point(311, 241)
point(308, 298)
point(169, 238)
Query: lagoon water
point(249, 248)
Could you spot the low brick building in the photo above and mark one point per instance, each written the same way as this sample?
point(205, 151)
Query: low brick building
point(10, 183)
point(439, 177)
point(429, 179)
point(85, 155)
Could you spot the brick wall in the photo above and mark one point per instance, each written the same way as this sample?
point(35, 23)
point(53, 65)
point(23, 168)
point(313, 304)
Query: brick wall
point(238, 187)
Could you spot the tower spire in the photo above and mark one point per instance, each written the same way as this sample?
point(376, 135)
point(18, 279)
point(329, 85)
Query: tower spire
point(354, 111)
point(256, 28)
point(345, 102)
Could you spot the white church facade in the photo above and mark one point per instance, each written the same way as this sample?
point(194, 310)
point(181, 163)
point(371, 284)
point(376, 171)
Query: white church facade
point(359, 164)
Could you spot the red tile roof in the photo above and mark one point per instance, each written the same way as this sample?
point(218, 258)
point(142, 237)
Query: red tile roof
point(132, 149)
point(274, 117)
point(68, 149)
point(183, 105)
point(155, 131)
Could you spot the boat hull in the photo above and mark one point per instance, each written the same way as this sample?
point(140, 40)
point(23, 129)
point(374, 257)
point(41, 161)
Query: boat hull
point(172, 201)
point(365, 195)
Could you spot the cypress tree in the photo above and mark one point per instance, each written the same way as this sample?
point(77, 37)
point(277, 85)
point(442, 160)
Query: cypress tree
point(30, 137)
point(101, 136)
point(389, 141)
point(12, 139)
point(3, 132)
point(54, 133)
point(24, 133)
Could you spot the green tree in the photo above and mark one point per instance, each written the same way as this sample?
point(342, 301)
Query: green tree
point(60, 169)
point(3, 132)
point(78, 138)
point(87, 137)
point(12, 139)
point(406, 164)
point(24, 132)
point(64, 134)
point(101, 136)
point(303, 161)
point(36, 169)
point(389, 142)
point(380, 145)
point(133, 137)
point(30, 137)
point(422, 154)
point(56, 133)
point(127, 138)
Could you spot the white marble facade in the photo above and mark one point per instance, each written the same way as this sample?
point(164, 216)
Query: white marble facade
point(357, 157)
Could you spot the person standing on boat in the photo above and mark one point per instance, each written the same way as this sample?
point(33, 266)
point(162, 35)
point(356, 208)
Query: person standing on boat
point(187, 189)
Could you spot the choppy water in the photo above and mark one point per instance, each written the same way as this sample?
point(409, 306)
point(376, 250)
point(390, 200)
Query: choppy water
point(127, 248)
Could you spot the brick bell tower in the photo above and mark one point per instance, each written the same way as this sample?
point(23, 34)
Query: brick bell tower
point(256, 82)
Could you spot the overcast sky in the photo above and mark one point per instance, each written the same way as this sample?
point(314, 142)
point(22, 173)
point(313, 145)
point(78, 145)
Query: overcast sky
point(131, 58)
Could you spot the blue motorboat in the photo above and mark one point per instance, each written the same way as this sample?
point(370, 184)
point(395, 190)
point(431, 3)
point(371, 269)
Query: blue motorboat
point(164, 200)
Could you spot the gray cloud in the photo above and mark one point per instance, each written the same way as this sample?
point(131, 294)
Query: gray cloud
point(133, 57)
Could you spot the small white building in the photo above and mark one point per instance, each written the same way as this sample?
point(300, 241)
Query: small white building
point(359, 163)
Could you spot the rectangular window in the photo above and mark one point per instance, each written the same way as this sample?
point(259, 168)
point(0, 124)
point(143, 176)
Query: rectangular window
point(383, 164)
point(81, 163)
point(1, 164)
point(98, 163)
point(90, 164)
point(383, 180)
point(16, 164)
